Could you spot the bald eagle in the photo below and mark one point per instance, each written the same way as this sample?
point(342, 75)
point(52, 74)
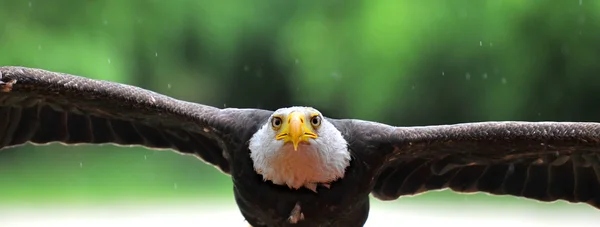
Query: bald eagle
point(296, 167)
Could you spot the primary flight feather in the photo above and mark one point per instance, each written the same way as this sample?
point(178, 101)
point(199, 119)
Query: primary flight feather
point(296, 167)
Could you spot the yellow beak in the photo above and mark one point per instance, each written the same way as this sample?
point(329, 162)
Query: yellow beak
point(296, 129)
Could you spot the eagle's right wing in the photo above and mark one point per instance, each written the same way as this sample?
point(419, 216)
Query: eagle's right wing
point(41, 107)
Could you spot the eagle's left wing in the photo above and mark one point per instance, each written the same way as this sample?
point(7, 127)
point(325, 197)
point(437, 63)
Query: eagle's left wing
point(545, 161)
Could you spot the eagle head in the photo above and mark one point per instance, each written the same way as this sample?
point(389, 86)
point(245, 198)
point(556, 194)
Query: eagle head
point(298, 147)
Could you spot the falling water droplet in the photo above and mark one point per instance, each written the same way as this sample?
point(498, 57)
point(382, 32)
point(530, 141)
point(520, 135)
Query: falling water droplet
point(169, 86)
point(468, 76)
point(504, 80)
point(109, 61)
point(480, 43)
point(80, 164)
point(335, 75)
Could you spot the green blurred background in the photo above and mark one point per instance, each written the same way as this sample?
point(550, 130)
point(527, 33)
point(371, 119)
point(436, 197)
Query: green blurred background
point(399, 62)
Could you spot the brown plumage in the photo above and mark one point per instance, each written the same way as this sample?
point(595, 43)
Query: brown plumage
point(545, 161)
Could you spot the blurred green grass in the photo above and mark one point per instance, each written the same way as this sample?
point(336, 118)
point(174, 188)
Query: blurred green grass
point(57, 174)
point(97, 173)
point(120, 186)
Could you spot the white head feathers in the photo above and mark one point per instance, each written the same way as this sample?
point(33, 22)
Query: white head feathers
point(321, 156)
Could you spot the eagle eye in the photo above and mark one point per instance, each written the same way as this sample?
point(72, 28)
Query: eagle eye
point(276, 122)
point(315, 121)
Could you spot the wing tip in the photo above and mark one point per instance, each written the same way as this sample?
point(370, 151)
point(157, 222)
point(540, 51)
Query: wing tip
point(6, 84)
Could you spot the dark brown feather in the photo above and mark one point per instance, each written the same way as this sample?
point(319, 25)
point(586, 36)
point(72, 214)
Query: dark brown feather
point(42, 107)
point(545, 161)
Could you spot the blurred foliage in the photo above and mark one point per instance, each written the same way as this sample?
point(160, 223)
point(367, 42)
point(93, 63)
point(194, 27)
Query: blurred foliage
point(396, 61)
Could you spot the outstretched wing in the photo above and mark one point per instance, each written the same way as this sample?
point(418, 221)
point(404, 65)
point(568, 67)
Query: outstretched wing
point(545, 161)
point(40, 106)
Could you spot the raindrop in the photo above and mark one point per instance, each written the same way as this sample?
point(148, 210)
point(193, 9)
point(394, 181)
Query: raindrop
point(30, 4)
point(582, 19)
point(105, 22)
point(580, 2)
point(169, 86)
point(443, 73)
point(39, 47)
point(246, 68)
point(296, 61)
point(485, 76)
point(480, 43)
point(336, 75)
point(413, 87)
point(145, 157)
point(80, 164)
point(565, 50)
point(491, 44)
point(224, 105)
point(175, 185)
point(468, 76)
point(511, 169)
point(109, 61)
point(259, 73)
point(503, 80)
point(155, 54)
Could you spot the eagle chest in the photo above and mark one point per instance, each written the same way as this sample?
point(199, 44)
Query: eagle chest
point(262, 201)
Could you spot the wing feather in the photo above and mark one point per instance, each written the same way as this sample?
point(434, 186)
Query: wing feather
point(41, 107)
point(545, 161)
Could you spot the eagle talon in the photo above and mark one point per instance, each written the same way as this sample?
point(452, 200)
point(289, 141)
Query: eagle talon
point(296, 215)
